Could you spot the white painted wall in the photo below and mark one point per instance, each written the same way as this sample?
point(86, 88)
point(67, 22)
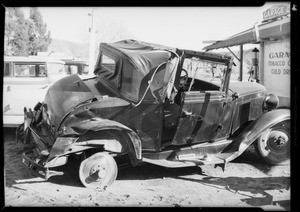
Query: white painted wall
point(277, 68)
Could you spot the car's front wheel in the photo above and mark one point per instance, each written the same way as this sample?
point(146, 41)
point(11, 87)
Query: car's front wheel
point(98, 171)
point(274, 144)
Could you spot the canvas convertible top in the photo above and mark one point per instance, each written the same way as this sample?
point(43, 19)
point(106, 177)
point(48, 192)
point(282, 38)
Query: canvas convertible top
point(127, 66)
point(134, 63)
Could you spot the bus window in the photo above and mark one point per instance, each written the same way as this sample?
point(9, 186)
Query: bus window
point(25, 70)
point(42, 71)
point(6, 70)
point(55, 68)
point(85, 69)
point(73, 69)
point(79, 69)
point(67, 68)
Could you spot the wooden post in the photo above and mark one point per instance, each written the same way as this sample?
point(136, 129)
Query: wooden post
point(255, 53)
point(92, 44)
point(241, 63)
point(261, 63)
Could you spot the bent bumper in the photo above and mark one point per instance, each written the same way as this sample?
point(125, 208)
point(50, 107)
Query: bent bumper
point(37, 169)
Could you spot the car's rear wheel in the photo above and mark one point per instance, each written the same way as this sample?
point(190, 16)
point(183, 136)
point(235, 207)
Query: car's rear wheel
point(274, 144)
point(98, 171)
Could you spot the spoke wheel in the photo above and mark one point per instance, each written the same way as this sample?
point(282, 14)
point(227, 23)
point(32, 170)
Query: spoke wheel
point(98, 171)
point(274, 144)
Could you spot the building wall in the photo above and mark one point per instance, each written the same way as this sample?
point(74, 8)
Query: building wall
point(276, 69)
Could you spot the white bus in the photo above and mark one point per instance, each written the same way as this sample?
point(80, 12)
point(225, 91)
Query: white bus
point(25, 82)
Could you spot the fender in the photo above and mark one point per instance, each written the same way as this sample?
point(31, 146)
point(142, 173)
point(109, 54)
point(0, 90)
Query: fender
point(130, 140)
point(253, 131)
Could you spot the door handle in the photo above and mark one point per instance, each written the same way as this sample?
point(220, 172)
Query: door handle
point(44, 87)
point(8, 88)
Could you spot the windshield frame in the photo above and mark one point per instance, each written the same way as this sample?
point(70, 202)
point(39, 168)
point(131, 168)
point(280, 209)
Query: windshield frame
point(225, 60)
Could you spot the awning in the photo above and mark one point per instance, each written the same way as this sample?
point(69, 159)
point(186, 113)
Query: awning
point(247, 36)
point(255, 35)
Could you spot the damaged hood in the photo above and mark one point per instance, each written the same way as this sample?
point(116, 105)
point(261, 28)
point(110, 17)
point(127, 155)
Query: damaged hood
point(64, 95)
point(246, 88)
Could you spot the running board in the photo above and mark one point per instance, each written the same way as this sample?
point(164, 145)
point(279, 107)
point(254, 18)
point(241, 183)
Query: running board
point(169, 163)
point(220, 158)
point(213, 159)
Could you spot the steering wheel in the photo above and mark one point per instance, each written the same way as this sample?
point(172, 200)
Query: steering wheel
point(183, 78)
point(185, 74)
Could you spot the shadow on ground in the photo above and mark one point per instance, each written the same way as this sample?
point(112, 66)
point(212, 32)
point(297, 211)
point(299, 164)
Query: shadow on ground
point(15, 170)
point(145, 171)
point(248, 186)
point(251, 157)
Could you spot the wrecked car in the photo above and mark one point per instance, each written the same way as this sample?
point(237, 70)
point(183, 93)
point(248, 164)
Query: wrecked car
point(155, 104)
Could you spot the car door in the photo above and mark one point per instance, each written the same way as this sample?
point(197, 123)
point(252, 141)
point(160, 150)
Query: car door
point(206, 117)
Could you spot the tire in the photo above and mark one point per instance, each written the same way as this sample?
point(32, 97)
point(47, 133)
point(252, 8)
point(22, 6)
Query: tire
point(274, 144)
point(98, 171)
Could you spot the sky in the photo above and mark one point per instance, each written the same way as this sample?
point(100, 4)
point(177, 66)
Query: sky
point(181, 27)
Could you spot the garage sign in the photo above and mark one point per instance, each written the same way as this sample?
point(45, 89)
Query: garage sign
point(276, 11)
point(277, 67)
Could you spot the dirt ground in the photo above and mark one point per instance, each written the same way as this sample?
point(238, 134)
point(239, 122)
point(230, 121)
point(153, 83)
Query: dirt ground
point(246, 182)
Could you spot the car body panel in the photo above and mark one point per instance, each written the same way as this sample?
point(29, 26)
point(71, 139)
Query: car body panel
point(87, 129)
point(63, 95)
point(209, 114)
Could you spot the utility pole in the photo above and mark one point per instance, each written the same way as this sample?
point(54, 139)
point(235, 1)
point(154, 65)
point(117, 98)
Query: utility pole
point(92, 44)
point(241, 62)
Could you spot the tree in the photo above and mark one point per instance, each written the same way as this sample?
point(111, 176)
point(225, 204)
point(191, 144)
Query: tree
point(109, 31)
point(16, 36)
point(39, 38)
point(25, 36)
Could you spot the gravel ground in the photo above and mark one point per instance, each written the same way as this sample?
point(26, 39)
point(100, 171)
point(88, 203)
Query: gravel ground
point(246, 182)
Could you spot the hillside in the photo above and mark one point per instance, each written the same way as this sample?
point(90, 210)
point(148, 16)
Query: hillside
point(71, 49)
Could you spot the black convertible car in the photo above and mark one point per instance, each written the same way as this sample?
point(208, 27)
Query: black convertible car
point(155, 104)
